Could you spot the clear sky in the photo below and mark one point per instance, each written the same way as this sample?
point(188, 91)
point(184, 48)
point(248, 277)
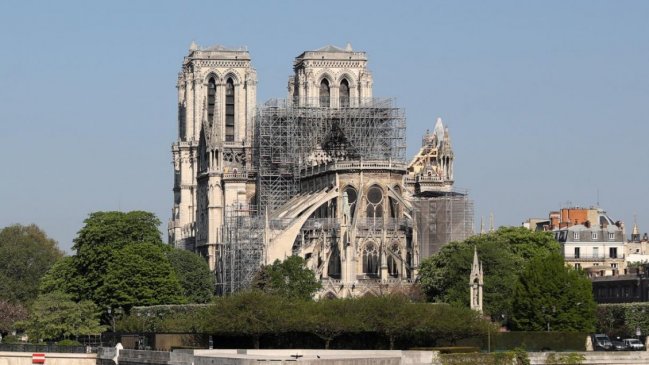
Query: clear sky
point(547, 102)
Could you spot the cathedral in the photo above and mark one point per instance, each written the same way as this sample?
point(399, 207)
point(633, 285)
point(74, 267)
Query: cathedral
point(321, 174)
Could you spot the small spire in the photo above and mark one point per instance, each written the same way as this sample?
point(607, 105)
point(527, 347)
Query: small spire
point(481, 225)
point(491, 222)
point(348, 47)
point(193, 46)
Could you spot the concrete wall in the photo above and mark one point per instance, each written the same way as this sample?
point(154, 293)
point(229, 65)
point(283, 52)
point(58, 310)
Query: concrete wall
point(25, 358)
point(600, 358)
point(276, 357)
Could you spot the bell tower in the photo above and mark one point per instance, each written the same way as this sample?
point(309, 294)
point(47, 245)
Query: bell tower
point(212, 156)
point(330, 77)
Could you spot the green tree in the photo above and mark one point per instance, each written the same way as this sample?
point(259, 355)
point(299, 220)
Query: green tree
point(503, 253)
point(63, 276)
point(55, 316)
point(251, 313)
point(289, 278)
point(139, 274)
point(329, 319)
point(26, 253)
point(390, 315)
point(10, 314)
point(103, 234)
point(194, 275)
point(550, 293)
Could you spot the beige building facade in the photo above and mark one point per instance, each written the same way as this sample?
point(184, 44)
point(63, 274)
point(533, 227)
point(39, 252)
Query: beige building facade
point(322, 174)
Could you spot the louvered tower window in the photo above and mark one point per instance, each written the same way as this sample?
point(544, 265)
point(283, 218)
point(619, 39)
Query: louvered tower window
point(229, 110)
point(344, 93)
point(324, 93)
point(211, 100)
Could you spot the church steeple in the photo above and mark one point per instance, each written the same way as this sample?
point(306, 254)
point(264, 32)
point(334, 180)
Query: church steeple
point(476, 281)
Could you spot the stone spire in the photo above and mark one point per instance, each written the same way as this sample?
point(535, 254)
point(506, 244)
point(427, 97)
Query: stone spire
point(635, 233)
point(476, 281)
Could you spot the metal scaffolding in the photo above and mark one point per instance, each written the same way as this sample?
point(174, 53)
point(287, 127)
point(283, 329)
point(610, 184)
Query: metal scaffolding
point(290, 137)
point(442, 217)
point(241, 253)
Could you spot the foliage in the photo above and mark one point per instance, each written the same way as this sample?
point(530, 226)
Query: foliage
point(63, 276)
point(289, 278)
point(103, 234)
point(194, 274)
point(68, 343)
point(328, 319)
point(121, 261)
point(10, 313)
point(498, 358)
point(551, 293)
point(521, 357)
point(623, 319)
point(26, 253)
point(55, 315)
point(564, 359)
point(253, 313)
point(504, 255)
point(139, 274)
point(256, 315)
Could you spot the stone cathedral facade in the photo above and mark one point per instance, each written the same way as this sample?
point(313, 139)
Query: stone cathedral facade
point(322, 174)
point(213, 155)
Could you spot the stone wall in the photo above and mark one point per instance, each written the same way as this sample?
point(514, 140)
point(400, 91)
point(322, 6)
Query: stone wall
point(25, 358)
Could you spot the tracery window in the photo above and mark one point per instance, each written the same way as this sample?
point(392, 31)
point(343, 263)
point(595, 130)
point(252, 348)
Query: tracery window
point(229, 110)
point(211, 100)
point(324, 93)
point(374, 205)
point(371, 259)
point(344, 93)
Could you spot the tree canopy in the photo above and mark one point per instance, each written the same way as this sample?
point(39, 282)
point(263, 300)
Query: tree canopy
point(55, 316)
point(551, 295)
point(289, 278)
point(504, 255)
point(10, 313)
point(121, 261)
point(139, 274)
point(194, 274)
point(26, 254)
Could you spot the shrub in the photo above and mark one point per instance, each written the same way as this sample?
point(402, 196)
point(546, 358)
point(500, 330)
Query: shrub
point(68, 343)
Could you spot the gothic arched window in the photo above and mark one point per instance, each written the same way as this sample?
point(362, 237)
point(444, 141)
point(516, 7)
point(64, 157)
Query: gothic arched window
point(344, 93)
point(394, 260)
point(374, 205)
point(351, 200)
point(229, 110)
point(334, 262)
point(371, 259)
point(324, 93)
point(211, 100)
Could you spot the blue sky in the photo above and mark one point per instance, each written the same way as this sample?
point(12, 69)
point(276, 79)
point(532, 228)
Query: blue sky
point(547, 102)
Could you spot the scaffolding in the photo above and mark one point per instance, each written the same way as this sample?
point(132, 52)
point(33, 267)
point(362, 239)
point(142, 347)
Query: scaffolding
point(290, 137)
point(241, 253)
point(442, 217)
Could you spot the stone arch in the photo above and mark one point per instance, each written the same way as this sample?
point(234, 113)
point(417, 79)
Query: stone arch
point(346, 75)
point(234, 75)
point(371, 258)
point(212, 73)
point(326, 74)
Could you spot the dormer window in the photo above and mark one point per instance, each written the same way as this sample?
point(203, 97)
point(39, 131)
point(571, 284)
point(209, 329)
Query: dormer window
point(594, 235)
point(575, 236)
point(611, 236)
